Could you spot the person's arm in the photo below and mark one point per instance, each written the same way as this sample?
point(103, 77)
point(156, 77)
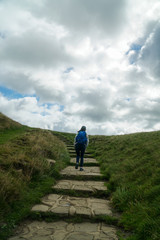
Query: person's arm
point(75, 140)
point(87, 139)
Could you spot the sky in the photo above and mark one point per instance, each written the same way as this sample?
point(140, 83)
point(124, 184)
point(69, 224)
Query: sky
point(69, 63)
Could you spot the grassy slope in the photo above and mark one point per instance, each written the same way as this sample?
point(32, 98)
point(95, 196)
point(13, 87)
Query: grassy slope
point(9, 129)
point(7, 123)
point(25, 174)
point(66, 137)
point(130, 162)
point(132, 165)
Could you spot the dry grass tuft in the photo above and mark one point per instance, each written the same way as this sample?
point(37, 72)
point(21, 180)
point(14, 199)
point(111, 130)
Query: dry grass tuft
point(7, 123)
point(24, 158)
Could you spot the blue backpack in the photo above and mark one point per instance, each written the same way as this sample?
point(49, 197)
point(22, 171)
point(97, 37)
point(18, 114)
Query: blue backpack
point(81, 137)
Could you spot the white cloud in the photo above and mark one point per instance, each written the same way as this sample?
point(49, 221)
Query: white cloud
point(93, 63)
point(149, 57)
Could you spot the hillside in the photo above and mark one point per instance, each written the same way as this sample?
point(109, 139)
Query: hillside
point(132, 165)
point(7, 123)
point(10, 129)
point(25, 170)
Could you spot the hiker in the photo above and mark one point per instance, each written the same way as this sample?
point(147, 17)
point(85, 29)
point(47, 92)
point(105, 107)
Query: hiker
point(80, 142)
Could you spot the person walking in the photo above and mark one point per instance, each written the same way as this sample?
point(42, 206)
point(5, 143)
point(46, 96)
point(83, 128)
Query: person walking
point(80, 142)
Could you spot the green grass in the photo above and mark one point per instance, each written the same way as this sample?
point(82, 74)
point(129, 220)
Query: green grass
point(10, 134)
point(20, 209)
point(7, 123)
point(132, 165)
point(66, 137)
point(10, 129)
point(81, 193)
point(25, 174)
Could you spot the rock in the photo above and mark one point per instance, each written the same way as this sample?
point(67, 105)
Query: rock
point(40, 208)
point(72, 211)
point(51, 162)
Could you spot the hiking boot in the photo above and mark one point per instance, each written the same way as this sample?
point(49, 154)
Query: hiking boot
point(81, 169)
point(76, 167)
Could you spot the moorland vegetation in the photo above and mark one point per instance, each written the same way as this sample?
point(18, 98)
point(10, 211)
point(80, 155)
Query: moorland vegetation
point(130, 163)
point(25, 172)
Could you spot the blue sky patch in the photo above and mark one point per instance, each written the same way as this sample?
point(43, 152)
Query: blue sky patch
point(68, 70)
point(128, 99)
point(49, 105)
point(10, 93)
point(61, 108)
point(134, 47)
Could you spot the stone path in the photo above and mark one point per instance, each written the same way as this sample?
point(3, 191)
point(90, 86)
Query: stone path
point(62, 230)
point(80, 185)
point(67, 206)
point(87, 160)
point(88, 172)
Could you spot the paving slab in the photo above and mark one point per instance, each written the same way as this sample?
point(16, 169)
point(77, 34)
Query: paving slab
point(86, 160)
point(88, 172)
point(72, 155)
point(70, 146)
point(72, 150)
point(86, 186)
point(61, 230)
point(68, 206)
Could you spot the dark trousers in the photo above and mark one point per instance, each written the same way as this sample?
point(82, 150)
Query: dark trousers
point(80, 150)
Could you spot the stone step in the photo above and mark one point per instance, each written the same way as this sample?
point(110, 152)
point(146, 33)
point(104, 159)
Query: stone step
point(85, 186)
point(70, 148)
point(89, 173)
point(64, 205)
point(86, 155)
point(61, 230)
point(73, 151)
point(86, 160)
point(70, 145)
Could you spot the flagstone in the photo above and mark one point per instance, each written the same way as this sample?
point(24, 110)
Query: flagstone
point(61, 230)
point(40, 208)
point(86, 160)
point(82, 206)
point(88, 171)
point(64, 205)
point(90, 186)
point(86, 155)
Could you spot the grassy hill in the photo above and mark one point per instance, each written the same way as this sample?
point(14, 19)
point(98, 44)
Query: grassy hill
point(131, 163)
point(9, 129)
point(25, 172)
point(7, 123)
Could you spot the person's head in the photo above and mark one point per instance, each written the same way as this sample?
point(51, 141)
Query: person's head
point(83, 128)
